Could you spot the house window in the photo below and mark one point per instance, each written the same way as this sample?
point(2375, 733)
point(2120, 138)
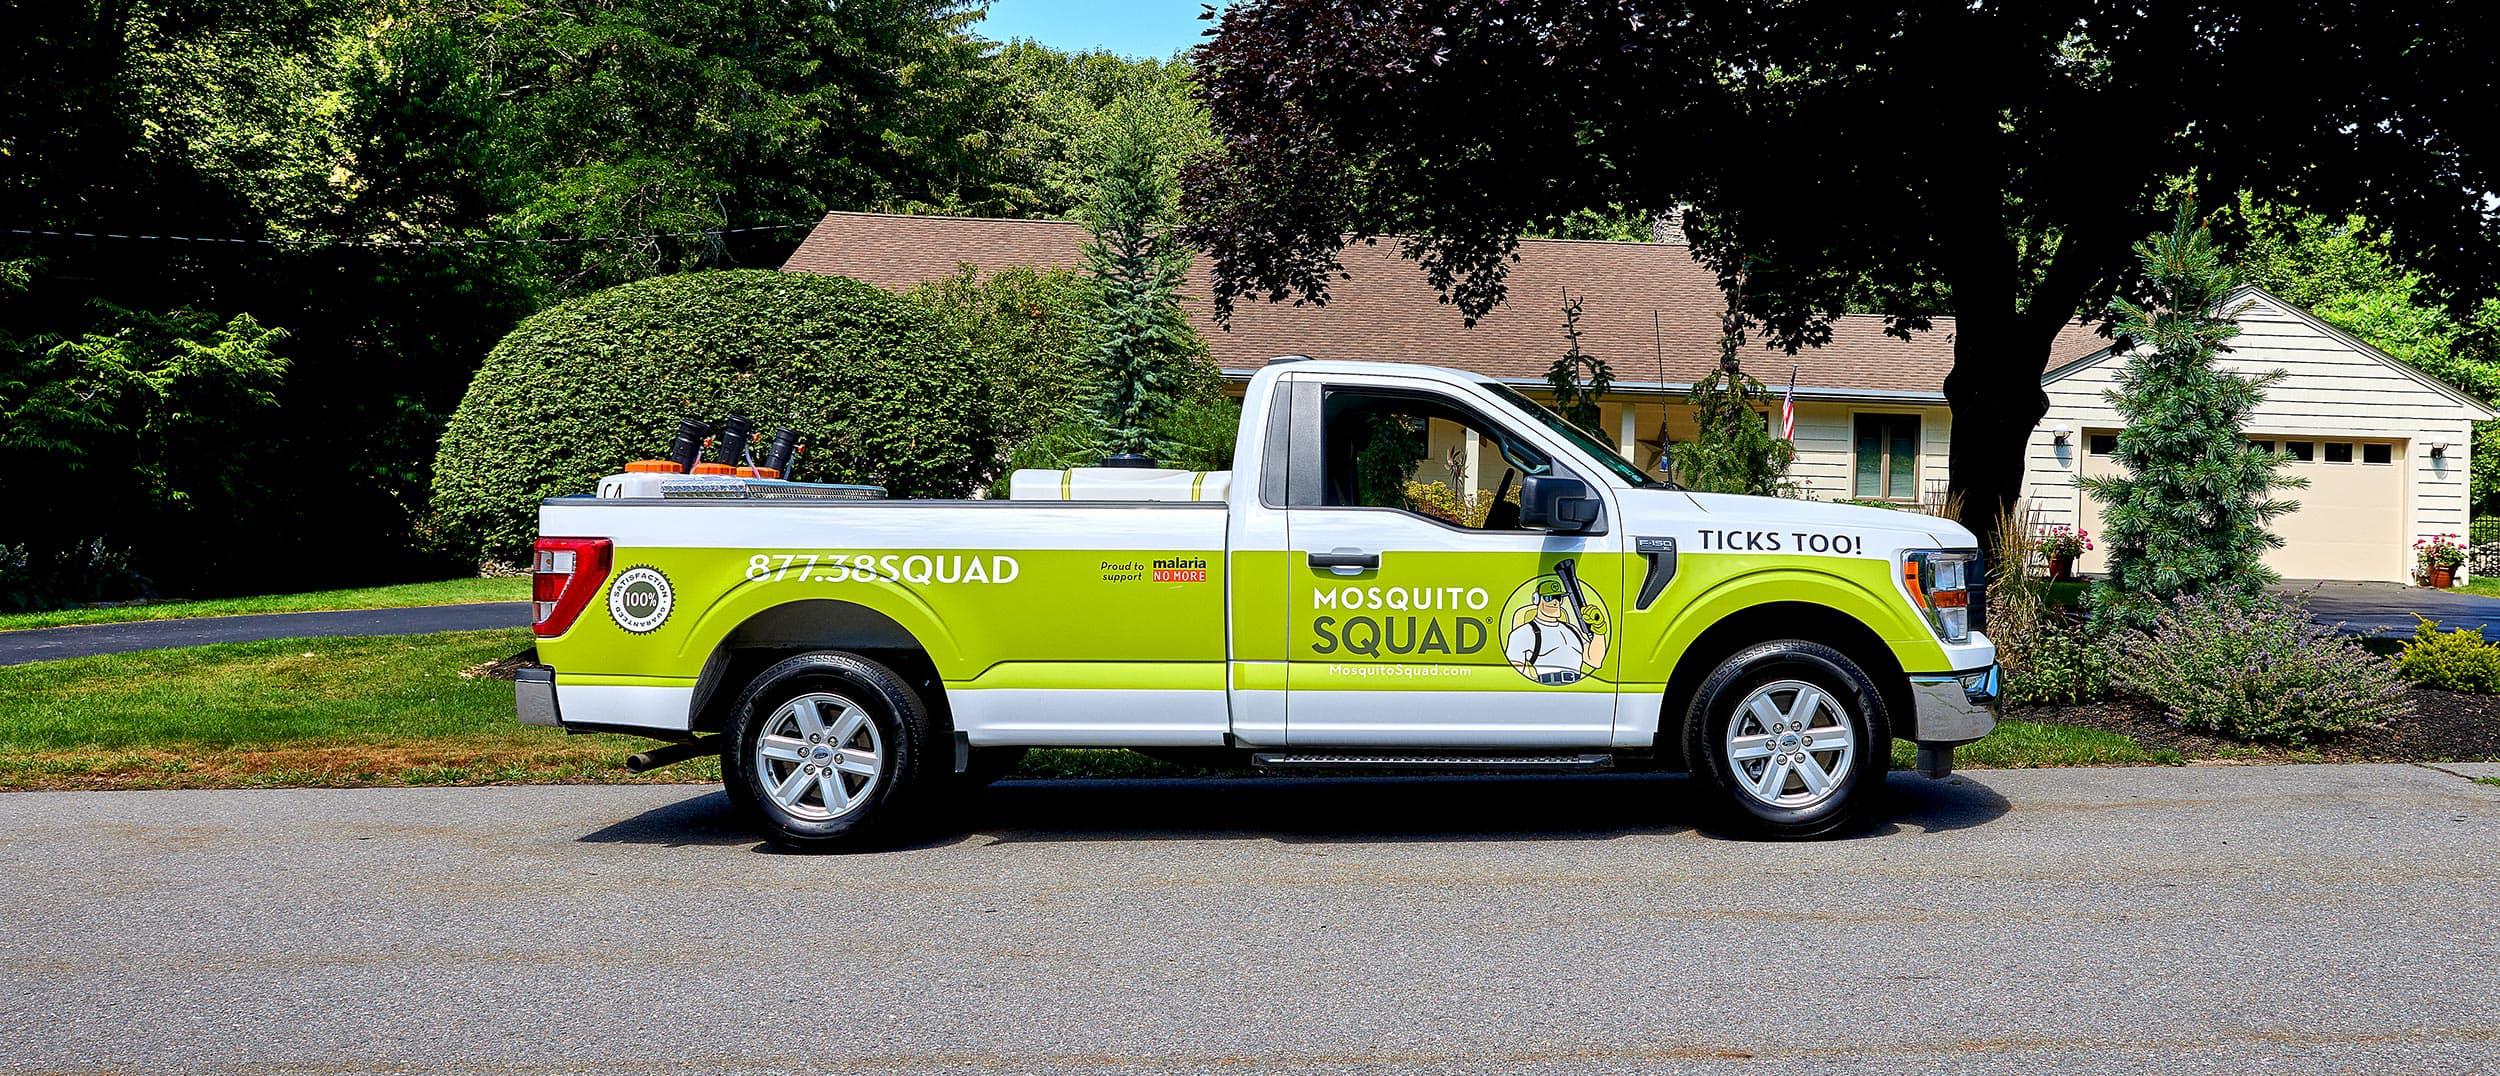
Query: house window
point(2339, 452)
point(1887, 457)
point(2378, 454)
point(2262, 446)
point(2300, 451)
point(2104, 443)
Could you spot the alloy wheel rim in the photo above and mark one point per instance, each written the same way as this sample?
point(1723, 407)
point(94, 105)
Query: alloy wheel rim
point(1790, 745)
point(820, 756)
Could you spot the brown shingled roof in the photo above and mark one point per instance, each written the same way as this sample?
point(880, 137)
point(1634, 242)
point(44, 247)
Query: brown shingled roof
point(1385, 311)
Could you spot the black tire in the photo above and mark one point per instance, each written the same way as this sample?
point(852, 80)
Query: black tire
point(1859, 703)
point(909, 772)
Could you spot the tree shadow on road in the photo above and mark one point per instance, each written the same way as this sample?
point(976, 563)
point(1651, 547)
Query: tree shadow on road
point(1327, 810)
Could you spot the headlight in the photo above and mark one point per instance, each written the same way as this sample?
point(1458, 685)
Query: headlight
point(1939, 584)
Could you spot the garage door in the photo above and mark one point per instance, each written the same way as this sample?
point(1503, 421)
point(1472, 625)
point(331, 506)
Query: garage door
point(2350, 524)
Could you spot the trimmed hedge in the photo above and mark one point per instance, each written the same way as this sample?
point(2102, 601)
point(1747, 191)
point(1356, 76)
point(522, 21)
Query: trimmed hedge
point(880, 387)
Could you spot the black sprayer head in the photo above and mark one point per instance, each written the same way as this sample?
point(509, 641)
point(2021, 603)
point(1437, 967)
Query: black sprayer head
point(785, 445)
point(733, 440)
point(687, 449)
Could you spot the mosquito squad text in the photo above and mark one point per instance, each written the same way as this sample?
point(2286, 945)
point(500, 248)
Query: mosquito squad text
point(1372, 636)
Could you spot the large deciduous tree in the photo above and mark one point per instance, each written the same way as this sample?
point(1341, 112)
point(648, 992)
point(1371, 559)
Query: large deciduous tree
point(1990, 161)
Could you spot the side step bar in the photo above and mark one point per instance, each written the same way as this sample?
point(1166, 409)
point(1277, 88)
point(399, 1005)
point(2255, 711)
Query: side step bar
point(1428, 762)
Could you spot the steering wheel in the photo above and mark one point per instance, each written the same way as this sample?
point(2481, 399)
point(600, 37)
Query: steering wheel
point(1503, 515)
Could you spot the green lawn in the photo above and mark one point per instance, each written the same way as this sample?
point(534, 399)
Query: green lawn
point(358, 711)
point(446, 592)
point(395, 710)
point(2488, 587)
point(2032, 745)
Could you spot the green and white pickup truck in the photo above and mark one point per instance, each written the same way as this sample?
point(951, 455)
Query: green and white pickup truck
point(850, 659)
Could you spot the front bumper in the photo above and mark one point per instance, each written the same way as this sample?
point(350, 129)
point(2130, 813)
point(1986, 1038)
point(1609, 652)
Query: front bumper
point(534, 696)
point(1954, 708)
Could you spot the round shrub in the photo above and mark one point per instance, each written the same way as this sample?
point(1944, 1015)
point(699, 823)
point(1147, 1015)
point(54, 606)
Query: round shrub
point(2455, 660)
point(2255, 668)
point(880, 388)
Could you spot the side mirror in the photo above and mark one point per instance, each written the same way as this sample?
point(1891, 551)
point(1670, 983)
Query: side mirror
point(1557, 503)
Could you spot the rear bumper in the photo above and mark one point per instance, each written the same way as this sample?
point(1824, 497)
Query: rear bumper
point(534, 696)
point(1954, 708)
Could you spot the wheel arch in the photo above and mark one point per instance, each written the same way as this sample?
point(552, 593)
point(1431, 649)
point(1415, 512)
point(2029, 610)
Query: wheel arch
point(1763, 623)
point(798, 627)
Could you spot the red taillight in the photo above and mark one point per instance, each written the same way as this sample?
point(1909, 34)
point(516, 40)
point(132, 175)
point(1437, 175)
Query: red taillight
point(564, 574)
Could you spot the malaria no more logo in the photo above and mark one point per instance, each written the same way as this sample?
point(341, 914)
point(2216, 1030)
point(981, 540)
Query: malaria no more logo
point(641, 599)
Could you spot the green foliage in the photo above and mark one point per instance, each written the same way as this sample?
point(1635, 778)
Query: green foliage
point(2045, 654)
point(2453, 660)
point(1146, 345)
point(2190, 514)
point(1783, 133)
point(1068, 109)
point(1032, 334)
point(2484, 530)
point(878, 385)
point(1733, 451)
point(125, 433)
point(2347, 273)
point(1574, 398)
point(2254, 667)
point(1198, 435)
point(2064, 661)
point(1440, 501)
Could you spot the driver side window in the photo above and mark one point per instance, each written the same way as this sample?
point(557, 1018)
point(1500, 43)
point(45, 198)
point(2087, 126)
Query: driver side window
point(1414, 453)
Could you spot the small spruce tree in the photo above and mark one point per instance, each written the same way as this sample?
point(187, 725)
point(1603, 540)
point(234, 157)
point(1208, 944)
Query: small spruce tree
point(1574, 398)
point(1734, 451)
point(1137, 265)
point(2189, 515)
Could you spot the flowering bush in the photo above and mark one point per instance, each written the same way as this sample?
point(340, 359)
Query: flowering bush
point(2255, 668)
point(2439, 551)
point(2065, 543)
point(2060, 661)
point(2456, 660)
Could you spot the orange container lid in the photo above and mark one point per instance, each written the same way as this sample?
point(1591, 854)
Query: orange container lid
point(651, 467)
point(714, 468)
point(758, 472)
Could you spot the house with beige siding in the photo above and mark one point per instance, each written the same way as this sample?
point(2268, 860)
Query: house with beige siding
point(2383, 447)
point(1872, 421)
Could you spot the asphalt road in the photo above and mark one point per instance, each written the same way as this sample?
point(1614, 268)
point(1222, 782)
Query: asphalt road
point(2207, 919)
point(45, 644)
point(2392, 608)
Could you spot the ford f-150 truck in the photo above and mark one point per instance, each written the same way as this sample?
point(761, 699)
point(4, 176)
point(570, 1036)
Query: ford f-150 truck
point(851, 658)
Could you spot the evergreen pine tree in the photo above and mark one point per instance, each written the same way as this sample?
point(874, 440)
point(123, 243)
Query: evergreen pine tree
point(2189, 515)
point(1137, 266)
point(1734, 451)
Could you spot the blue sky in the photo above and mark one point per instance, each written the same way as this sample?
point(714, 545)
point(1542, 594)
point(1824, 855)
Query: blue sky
point(1129, 27)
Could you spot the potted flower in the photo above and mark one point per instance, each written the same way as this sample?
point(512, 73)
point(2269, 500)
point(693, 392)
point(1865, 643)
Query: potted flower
point(2440, 557)
point(2061, 545)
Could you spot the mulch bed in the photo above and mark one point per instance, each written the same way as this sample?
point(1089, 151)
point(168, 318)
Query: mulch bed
point(2438, 726)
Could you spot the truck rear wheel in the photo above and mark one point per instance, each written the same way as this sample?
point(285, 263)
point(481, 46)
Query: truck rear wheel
point(830, 751)
point(1789, 740)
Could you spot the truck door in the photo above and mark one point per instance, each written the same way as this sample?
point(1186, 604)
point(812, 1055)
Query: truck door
point(1418, 616)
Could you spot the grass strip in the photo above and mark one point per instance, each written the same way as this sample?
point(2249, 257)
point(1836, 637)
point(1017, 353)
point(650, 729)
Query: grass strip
point(389, 710)
point(403, 595)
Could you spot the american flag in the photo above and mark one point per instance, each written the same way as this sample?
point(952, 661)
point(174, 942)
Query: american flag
point(1788, 408)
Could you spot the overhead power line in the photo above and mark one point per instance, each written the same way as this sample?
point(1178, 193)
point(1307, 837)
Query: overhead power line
point(395, 244)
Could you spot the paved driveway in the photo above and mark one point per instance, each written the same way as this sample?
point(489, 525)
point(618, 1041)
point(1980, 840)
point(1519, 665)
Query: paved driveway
point(2389, 608)
point(2207, 919)
point(45, 644)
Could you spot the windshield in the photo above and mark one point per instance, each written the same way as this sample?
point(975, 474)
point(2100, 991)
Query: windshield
point(1588, 443)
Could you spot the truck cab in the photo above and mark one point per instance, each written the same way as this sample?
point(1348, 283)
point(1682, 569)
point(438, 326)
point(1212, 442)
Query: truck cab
point(1315, 609)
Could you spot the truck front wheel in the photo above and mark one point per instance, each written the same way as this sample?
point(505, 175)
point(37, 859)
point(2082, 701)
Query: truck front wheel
point(830, 751)
point(1789, 740)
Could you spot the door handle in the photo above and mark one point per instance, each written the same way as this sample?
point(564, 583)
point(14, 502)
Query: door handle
point(1346, 561)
